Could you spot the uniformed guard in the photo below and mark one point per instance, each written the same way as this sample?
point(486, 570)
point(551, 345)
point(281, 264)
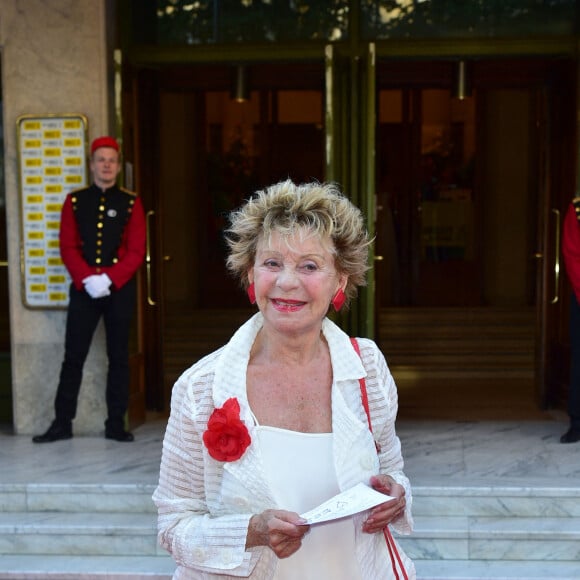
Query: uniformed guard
point(571, 253)
point(102, 244)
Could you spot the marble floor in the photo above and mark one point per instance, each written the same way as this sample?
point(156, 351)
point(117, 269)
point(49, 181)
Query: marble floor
point(436, 452)
point(525, 455)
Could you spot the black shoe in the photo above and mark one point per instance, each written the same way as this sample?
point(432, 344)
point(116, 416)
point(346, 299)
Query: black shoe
point(571, 436)
point(121, 435)
point(55, 432)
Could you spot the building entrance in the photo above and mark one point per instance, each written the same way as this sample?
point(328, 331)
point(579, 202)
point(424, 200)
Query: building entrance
point(462, 188)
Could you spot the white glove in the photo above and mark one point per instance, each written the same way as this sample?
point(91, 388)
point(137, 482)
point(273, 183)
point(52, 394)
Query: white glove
point(97, 285)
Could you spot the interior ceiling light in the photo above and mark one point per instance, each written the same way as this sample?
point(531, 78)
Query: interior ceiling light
point(461, 81)
point(240, 90)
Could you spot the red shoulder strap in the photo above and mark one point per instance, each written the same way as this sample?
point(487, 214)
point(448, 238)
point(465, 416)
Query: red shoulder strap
point(363, 387)
point(391, 545)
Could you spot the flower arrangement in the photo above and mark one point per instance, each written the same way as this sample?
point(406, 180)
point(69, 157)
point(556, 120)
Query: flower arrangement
point(227, 437)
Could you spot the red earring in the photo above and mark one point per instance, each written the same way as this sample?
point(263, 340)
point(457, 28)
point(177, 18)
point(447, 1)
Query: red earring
point(338, 300)
point(251, 293)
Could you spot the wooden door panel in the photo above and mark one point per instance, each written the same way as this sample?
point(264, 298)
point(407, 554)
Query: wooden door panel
point(140, 145)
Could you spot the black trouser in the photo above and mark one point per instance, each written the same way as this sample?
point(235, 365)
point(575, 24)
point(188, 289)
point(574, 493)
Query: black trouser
point(574, 389)
point(83, 316)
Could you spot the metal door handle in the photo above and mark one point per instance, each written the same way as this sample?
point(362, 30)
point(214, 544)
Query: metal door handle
point(556, 257)
point(148, 263)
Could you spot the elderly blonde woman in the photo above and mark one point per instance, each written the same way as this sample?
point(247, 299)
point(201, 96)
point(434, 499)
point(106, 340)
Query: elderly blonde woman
point(275, 422)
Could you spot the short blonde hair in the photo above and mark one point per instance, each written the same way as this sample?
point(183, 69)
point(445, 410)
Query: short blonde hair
point(285, 208)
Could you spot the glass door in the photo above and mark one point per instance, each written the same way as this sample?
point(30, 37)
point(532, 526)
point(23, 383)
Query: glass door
point(221, 132)
point(426, 145)
point(215, 151)
point(469, 194)
point(556, 103)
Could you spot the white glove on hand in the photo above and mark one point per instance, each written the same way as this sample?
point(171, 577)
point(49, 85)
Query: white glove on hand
point(106, 284)
point(90, 283)
point(97, 285)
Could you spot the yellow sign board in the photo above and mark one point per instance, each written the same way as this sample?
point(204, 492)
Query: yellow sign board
point(52, 154)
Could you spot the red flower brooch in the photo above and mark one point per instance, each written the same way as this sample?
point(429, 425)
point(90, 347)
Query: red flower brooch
point(226, 437)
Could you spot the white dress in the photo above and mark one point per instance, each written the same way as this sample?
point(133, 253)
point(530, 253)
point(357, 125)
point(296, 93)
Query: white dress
point(302, 476)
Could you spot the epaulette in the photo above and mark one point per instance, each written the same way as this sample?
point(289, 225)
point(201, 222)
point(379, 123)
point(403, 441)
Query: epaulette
point(576, 204)
point(125, 190)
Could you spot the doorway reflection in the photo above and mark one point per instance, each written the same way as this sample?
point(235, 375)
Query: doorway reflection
point(216, 152)
point(427, 220)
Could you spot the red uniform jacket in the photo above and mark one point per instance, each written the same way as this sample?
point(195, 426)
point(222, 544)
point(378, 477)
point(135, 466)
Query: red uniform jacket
point(571, 247)
point(130, 253)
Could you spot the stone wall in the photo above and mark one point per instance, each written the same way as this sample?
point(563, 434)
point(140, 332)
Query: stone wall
point(54, 60)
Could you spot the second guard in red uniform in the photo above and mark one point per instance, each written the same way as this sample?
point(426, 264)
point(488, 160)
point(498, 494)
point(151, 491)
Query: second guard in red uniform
point(571, 252)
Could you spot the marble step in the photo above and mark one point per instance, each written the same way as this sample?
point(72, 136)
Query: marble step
point(148, 568)
point(494, 538)
point(65, 497)
point(500, 570)
point(517, 500)
point(441, 499)
point(527, 532)
point(78, 533)
point(434, 537)
point(86, 568)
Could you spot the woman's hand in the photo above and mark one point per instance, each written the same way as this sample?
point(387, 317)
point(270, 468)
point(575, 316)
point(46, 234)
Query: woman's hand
point(387, 512)
point(280, 530)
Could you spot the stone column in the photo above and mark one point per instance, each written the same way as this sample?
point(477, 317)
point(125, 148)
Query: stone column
point(55, 59)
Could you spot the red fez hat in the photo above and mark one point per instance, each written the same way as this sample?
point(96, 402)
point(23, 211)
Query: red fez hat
point(104, 142)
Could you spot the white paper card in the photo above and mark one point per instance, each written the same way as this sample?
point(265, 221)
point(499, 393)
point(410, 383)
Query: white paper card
point(356, 499)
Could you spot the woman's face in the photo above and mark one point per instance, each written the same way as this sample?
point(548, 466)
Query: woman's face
point(295, 279)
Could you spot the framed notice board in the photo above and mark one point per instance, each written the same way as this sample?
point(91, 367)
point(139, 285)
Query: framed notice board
point(52, 155)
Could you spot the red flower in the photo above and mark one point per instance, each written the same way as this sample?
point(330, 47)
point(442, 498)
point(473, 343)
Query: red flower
point(226, 437)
